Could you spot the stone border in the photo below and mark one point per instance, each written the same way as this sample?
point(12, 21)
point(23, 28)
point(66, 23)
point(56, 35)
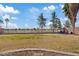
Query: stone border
point(42, 49)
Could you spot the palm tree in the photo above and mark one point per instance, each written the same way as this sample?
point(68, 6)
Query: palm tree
point(6, 20)
point(71, 10)
point(59, 26)
point(42, 21)
point(53, 20)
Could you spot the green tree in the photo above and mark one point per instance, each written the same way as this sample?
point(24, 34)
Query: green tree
point(59, 24)
point(71, 10)
point(41, 21)
point(53, 20)
point(56, 24)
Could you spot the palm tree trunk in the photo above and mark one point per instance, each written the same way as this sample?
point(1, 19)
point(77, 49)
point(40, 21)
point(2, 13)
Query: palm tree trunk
point(41, 29)
point(6, 25)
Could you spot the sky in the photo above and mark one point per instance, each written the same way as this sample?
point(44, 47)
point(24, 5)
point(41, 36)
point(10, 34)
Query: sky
point(25, 15)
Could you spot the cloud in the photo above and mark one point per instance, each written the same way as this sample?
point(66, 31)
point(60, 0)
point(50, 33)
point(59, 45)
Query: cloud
point(5, 12)
point(45, 8)
point(63, 19)
point(12, 25)
point(49, 23)
point(11, 10)
point(8, 9)
point(9, 25)
point(13, 18)
point(34, 10)
point(61, 5)
point(6, 16)
point(34, 13)
point(9, 17)
point(26, 25)
point(51, 7)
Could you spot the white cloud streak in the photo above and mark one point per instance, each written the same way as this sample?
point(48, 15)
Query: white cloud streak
point(61, 6)
point(8, 9)
point(9, 25)
point(51, 7)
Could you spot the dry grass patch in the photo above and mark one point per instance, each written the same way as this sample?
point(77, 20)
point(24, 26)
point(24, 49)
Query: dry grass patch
point(68, 43)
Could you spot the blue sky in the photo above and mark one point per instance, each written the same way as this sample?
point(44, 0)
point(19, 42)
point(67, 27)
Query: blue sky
point(25, 15)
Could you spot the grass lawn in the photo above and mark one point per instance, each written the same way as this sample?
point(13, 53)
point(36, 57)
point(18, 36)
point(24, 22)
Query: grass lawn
point(60, 42)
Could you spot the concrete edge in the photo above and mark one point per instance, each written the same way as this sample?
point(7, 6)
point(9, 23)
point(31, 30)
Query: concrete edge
point(43, 49)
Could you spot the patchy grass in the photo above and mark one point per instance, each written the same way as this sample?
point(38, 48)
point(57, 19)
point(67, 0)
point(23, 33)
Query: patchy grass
point(68, 43)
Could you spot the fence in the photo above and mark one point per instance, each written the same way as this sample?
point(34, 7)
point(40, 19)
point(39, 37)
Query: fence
point(24, 31)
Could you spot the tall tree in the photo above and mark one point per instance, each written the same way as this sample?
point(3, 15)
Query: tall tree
point(56, 24)
point(59, 24)
point(71, 10)
point(53, 20)
point(41, 21)
point(6, 20)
